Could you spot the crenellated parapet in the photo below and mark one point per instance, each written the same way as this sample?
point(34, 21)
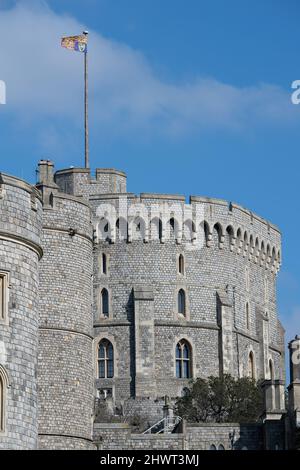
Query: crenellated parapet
point(203, 223)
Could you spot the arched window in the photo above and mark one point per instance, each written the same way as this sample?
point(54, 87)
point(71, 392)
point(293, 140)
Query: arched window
point(1, 404)
point(104, 264)
point(3, 387)
point(247, 316)
point(105, 359)
point(251, 366)
point(104, 229)
point(181, 302)
point(183, 360)
point(221, 447)
point(3, 296)
point(213, 447)
point(104, 302)
point(181, 264)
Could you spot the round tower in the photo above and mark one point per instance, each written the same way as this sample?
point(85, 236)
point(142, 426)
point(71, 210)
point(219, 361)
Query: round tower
point(182, 291)
point(65, 364)
point(20, 251)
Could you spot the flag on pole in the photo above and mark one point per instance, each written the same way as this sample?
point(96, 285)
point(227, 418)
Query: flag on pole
point(76, 43)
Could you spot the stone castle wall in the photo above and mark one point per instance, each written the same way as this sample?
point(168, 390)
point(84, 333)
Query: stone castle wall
point(191, 437)
point(53, 256)
point(65, 372)
point(20, 251)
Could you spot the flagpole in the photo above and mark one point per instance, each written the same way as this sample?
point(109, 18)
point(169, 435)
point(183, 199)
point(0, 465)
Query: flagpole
point(86, 123)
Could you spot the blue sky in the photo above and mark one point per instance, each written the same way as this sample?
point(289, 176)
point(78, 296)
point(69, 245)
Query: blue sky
point(189, 97)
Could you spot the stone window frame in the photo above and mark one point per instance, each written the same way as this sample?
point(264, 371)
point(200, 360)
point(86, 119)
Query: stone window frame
point(97, 340)
point(3, 397)
point(214, 447)
point(177, 315)
point(193, 372)
point(181, 265)
point(251, 354)
point(4, 297)
point(101, 264)
point(101, 316)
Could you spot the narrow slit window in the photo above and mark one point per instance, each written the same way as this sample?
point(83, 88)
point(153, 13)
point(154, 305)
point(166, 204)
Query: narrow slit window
point(181, 302)
point(104, 263)
point(104, 302)
point(181, 264)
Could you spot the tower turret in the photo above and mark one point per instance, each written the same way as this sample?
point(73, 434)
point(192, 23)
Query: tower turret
point(65, 371)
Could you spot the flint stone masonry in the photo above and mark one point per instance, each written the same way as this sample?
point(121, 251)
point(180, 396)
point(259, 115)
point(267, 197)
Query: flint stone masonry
point(52, 241)
point(192, 437)
point(20, 249)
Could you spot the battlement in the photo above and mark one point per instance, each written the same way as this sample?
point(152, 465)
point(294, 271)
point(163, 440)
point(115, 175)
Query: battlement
point(203, 222)
point(79, 182)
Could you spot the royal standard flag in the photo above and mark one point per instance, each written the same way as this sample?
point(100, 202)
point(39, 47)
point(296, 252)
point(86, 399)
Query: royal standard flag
point(76, 43)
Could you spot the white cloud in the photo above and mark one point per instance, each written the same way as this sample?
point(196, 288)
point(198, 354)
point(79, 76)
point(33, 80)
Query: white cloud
point(44, 80)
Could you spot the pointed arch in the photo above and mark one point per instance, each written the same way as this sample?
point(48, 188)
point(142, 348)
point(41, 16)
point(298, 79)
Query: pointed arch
point(246, 237)
point(230, 236)
point(219, 232)
point(273, 259)
point(104, 263)
point(104, 229)
point(181, 302)
point(138, 229)
point(239, 239)
point(181, 264)
point(104, 302)
point(251, 366)
point(262, 253)
point(105, 359)
point(4, 384)
point(183, 358)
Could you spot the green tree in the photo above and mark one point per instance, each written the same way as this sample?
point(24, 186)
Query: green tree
point(221, 400)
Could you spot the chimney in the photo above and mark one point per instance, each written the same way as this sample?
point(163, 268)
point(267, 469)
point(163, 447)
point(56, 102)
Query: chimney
point(45, 173)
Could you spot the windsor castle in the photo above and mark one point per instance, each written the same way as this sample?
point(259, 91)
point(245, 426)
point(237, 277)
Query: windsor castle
point(114, 301)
